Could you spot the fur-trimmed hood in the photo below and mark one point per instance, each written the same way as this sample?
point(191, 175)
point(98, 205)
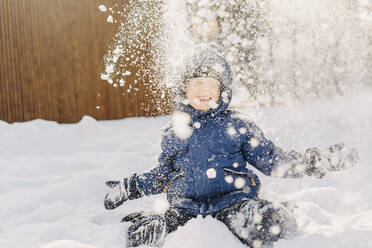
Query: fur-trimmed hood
point(203, 60)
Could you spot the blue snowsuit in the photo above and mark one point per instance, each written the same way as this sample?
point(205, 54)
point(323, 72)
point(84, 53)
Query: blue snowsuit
point(205, 166)
point(209, 169)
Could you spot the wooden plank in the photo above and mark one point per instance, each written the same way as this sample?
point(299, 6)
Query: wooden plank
point(52, 54)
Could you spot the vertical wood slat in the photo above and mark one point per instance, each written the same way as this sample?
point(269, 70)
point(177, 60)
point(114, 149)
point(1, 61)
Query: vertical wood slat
point(11, 91)
point(51, 57)
point(4, 73)
point(3, 96)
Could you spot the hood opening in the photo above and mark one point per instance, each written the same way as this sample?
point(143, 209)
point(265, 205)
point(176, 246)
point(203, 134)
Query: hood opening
point(203, 60)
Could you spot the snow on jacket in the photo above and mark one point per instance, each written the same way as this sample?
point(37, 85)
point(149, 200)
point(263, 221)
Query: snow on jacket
point(203, 165)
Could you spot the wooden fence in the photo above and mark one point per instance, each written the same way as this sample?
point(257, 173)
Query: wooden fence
point(51, 58)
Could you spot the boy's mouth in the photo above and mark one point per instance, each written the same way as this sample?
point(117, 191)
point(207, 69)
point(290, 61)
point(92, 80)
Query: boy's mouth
point(205, 98)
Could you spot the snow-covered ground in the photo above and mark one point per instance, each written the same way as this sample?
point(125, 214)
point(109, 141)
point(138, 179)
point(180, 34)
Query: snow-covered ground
point(52, 179)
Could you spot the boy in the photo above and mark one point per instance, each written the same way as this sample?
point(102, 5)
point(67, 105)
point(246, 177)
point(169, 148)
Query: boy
point(202, 167)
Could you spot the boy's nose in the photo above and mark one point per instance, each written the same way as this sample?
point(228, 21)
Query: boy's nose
point(205, 88)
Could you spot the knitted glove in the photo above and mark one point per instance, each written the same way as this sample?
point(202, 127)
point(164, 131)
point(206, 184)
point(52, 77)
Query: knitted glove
point(333, 158)
point(147, 231)
point(120, 191)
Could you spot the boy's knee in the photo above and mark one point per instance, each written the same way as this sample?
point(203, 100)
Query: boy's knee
point(259, 223)
point(276, 222)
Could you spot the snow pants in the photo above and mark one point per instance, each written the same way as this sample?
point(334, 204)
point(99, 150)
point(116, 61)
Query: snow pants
point(256, 223)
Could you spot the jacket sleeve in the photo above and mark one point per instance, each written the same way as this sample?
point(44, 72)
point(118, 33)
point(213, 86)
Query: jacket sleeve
point(155, 180)
point(271, 160)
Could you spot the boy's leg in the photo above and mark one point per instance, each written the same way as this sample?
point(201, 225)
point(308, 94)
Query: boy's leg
point(258, 223)
point(151, 230)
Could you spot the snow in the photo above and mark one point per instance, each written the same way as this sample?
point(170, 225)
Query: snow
point(231, 131)
point(196, 101)
point(257, 244)
point(212, 104)
point(224, 96)
point(110, 19)
point(102, 8)
point(239, 182)
point(253, 142)
point(275, 230)
point(211, 173)
point(257, 218)
point(242, 130)
point(229, 179)
point(197, 125)
point(52, 180)
point(160, 205)
point(139, 23)
point(67, 243)
point(180, 124)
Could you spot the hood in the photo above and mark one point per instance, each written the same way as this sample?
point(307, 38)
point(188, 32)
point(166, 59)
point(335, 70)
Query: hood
point(203, 60)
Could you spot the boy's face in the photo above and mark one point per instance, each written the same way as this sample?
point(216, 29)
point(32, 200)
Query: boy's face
point(203, 93)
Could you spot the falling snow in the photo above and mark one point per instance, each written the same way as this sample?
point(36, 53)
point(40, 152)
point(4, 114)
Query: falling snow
point(181, 124)
point(229, 179)
point(211, 173)
point(102, 8)
point(253, 142)
point(239, 182)
point(111, 19)
point(291, 52)
point(231, 131)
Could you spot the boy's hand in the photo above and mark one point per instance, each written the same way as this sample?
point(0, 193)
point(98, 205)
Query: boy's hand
point(340, 158)
point(118, 193)
point(314, 165)
point(333, 158)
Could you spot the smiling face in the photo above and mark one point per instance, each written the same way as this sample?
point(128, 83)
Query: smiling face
point(203, 93)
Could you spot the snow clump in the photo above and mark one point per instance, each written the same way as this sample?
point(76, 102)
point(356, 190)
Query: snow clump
point(225, 97)
point(257, 243)
point(239, 182)
point(211, 173)
point(257, 218)
point(102, 8)
point(242, 130)
point(275, 230)
point(110, 19)
point(181, 127)
point(254, 142)
point(212, 104)
point(160, 205)
point(231, 131)
point(229, 179)
point(196, 101)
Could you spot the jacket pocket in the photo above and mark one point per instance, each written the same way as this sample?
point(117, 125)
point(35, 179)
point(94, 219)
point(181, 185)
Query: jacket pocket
point(248, 175)
point(255, 183)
